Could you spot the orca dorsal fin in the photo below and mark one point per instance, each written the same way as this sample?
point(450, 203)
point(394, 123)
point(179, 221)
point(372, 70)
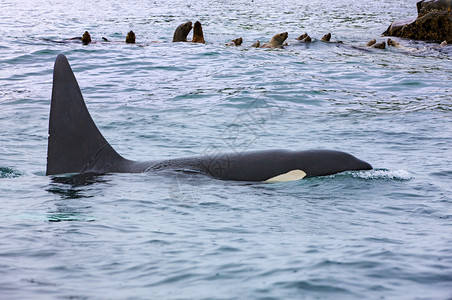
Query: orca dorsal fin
point(75, 143)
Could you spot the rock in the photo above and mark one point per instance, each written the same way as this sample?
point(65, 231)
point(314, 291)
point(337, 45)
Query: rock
point(434, 23)
point(426, 6)
point(396, 27)
point(435, 26)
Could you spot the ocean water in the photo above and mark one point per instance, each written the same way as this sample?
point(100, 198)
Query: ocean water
point(384, 233)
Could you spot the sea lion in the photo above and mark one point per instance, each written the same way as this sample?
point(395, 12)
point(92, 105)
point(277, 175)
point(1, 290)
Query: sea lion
point(371, 42)
point(256, 44)
point(303, 36)
point(326, 37)
point(393, 43)
point(235, 42)
point(397, 45)
point(306, 39)
point(381, 45)
point(198, 36)
point(276, 41)
point(130, 38)
point(86, 38)
point(181, 32)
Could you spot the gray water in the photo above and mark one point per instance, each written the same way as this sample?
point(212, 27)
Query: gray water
point(384, 233)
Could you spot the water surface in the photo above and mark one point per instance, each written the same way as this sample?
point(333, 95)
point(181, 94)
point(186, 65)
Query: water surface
point(384, 233)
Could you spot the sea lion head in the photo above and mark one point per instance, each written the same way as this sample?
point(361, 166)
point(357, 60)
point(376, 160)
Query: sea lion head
point(371, 42)
point(303, 36)
point(256, 44)
point(238, 41)
point(198, 35)
point(326, 37)
point(278, 39)
point(392, 43)
point(86, 38)
point(307, 39)
point(181, 32)
point(130, 38)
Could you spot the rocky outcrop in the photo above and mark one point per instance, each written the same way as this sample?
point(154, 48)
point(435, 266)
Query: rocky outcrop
point(426, 6)
point(433, 23)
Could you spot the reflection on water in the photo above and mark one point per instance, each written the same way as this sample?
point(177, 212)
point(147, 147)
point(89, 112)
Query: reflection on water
point(78, 180)
point(70, 187)
point(73, 186)
point(68, 216)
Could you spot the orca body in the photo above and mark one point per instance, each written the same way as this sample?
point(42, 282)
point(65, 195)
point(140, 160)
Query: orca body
point(76, 145)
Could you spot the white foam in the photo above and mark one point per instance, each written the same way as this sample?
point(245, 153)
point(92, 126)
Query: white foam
point(383, 174)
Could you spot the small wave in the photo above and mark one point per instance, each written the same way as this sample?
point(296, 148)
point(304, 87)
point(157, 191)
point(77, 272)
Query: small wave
point(442, 173)
point(68, 217)
point(6, 172)
point(39, 282)
point(311, 287)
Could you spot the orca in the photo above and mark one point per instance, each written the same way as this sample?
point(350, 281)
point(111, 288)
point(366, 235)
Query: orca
point(75, 145)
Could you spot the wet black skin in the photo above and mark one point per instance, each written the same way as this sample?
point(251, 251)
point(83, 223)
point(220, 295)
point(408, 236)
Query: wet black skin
point(181, 32)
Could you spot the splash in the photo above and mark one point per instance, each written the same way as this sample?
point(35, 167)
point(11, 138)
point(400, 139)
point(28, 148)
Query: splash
point(377, 174)
point(6, 172)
